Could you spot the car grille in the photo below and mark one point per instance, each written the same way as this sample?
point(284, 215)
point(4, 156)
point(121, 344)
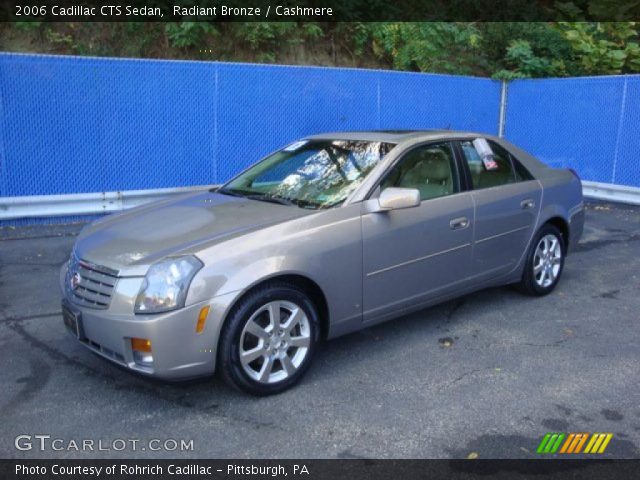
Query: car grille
point(90, 285)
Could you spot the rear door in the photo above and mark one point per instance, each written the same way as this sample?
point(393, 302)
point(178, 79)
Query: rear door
point(507, 202)
point(412, 255)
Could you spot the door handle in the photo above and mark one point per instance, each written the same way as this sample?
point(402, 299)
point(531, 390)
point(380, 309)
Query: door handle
point(526, 204)
point(458, 223)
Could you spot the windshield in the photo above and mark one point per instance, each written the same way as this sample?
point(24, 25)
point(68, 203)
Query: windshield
point(310, 173)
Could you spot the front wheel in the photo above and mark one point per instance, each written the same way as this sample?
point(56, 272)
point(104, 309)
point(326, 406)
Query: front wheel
point(269, 339)
point(545, 261)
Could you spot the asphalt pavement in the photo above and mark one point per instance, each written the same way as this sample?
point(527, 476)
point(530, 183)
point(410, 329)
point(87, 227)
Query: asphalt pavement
point(486, 375)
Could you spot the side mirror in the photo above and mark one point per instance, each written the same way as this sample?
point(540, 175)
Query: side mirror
point(395, 198)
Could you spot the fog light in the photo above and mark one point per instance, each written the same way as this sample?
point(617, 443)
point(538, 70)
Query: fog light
point(143, 359)
point(141, 345)
point(202, 319)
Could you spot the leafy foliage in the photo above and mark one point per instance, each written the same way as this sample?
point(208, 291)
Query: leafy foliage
point(503, 50)
point(426, 47)
point(604, 48)
point(188, 34)
point(521, 50)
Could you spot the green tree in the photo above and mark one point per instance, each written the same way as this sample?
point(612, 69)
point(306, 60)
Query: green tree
point(189, 34)
point(526, 49)
point(504, 50)
point(426, 46)
point(604, 48)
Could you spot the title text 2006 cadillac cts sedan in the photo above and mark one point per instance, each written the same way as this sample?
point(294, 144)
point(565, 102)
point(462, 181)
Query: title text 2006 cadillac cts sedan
point(331, 234)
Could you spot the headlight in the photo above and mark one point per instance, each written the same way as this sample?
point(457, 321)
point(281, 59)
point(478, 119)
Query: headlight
point(166, 284)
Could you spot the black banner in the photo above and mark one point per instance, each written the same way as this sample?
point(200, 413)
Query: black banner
point(357, 469)
point(317, 10)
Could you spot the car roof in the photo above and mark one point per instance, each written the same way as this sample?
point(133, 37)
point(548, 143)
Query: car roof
point(394, 136)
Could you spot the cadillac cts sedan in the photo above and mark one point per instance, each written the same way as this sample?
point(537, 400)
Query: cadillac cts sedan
point(331, 234)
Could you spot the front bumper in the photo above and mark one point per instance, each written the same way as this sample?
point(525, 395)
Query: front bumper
point(178, 351)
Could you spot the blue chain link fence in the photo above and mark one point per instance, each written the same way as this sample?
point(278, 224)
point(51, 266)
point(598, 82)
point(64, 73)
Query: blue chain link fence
point(73, 124)
point(589, 124)
point(77, 124)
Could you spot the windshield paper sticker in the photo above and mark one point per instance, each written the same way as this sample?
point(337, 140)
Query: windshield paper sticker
point(485, 152)
point(295, 146)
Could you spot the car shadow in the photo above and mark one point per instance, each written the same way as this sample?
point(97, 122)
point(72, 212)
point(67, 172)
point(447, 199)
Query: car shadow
point(206, 391)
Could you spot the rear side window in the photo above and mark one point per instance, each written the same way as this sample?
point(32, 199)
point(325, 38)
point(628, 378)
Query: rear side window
point(522, 174)
point(488, 169)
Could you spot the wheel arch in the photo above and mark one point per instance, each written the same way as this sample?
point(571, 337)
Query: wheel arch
point(562, 225)
point(306, 284)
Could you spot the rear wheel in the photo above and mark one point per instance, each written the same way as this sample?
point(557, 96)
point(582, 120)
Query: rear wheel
point(545, 261)
point(269, 339)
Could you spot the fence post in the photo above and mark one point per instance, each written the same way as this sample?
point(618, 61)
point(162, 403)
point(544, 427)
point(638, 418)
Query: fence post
point(3, 152)
point(503, 108)
point(623, 106)
point(216, 97)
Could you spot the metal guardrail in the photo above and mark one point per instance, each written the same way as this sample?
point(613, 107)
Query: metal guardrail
point(35, 206)
point(611, 193)
point(12, 208)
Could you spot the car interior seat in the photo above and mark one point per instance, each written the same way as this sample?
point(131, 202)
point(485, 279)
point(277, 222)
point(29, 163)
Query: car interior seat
point(431, 174)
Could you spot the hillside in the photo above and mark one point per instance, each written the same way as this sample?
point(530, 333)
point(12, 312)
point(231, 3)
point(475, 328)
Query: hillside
point(499, 50)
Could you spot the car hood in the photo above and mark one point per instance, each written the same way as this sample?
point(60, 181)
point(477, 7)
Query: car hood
point(130, 241)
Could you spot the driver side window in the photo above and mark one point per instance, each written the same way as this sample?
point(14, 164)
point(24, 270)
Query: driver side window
point(429, 168)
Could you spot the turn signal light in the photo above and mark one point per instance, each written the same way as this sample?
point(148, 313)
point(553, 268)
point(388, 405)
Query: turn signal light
point(202, 319)
point(140, 345)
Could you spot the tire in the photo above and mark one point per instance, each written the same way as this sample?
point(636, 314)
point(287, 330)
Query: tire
point(261, 357)
point(543, 269)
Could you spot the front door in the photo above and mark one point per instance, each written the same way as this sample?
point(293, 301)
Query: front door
point(415, 254)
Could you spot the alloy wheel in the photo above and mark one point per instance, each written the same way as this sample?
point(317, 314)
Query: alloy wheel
point(547, 260)
point(275, 341)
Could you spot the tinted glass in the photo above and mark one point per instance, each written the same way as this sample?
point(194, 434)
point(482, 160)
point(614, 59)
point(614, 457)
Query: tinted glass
point(490, 171)
point(310, 174)
point(430, 169)
point(522, 174)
